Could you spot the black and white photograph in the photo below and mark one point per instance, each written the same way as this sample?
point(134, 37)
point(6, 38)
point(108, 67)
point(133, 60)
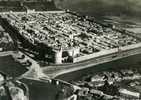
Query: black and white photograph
point(70, 49)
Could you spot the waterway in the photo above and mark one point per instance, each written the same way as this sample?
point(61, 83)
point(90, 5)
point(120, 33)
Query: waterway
point(45, 90)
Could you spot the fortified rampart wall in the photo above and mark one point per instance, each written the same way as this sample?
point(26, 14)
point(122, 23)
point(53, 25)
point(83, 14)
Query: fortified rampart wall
point(112, 54)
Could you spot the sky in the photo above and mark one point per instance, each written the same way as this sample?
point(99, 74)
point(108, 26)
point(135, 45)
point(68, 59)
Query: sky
point(102, 7)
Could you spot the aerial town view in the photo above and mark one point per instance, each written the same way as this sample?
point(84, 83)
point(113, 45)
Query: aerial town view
point(70, 50)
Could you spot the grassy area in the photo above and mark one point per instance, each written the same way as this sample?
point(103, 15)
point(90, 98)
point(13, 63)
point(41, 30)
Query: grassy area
point(10, 67)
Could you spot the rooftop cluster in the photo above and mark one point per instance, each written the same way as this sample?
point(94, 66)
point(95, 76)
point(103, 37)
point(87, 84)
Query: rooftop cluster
point(111, 84)
point(65, 30)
